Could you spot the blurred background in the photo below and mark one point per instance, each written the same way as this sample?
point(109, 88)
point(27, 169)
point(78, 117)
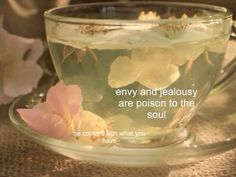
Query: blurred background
point(25, 17)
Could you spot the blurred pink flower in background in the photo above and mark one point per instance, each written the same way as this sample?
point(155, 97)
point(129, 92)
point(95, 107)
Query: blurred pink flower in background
point(19, 71)
point(59, 115)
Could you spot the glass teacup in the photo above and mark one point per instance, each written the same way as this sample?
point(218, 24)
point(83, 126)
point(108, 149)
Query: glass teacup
point(143, 67)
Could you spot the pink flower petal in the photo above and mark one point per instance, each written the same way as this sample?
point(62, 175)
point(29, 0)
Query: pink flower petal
point(18, 56)
point(20, 47)
point(3, 39)
point(42, 120)
point(66, 99)
point(21, 78)
point(35, 50)
point(59, 116)
point(5, 99)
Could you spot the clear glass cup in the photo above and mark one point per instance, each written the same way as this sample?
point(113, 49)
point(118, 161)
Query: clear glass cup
point(143, 67)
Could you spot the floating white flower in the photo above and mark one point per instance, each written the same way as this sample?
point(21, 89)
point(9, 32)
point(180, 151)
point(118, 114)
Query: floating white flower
point(150, 15)
point(186, 39)
point(187, 52)
point(150, 67)
point(92, 128)
point(62, 115)
point(59, 115)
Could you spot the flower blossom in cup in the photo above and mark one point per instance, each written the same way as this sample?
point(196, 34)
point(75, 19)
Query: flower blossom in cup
point(62, 116)
point(19, 71)
point(59, 115)
point(150, 67)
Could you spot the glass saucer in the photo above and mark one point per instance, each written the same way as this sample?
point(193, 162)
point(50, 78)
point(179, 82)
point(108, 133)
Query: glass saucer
point(212, 131)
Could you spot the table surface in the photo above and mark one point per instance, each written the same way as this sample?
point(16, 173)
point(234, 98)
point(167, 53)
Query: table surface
point(20, 157)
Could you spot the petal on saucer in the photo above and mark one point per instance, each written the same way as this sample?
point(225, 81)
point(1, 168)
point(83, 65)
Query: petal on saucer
point(123, 71)
point(41, 119)
point(91, 123)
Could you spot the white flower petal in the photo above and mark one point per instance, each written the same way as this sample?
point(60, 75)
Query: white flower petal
point(188, 52)
point(155, 64)
point(152, 56)
point(151, 67)
point(159, 77)
point(91, 123)
point(150, 15)
point(123, 71)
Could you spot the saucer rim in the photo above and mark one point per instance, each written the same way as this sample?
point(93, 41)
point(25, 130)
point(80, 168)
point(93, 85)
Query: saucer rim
point(192, 152)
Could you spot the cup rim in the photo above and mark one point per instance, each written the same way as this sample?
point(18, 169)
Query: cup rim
point(221, 14)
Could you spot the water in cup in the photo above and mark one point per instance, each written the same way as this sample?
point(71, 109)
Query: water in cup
point(146, 78)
